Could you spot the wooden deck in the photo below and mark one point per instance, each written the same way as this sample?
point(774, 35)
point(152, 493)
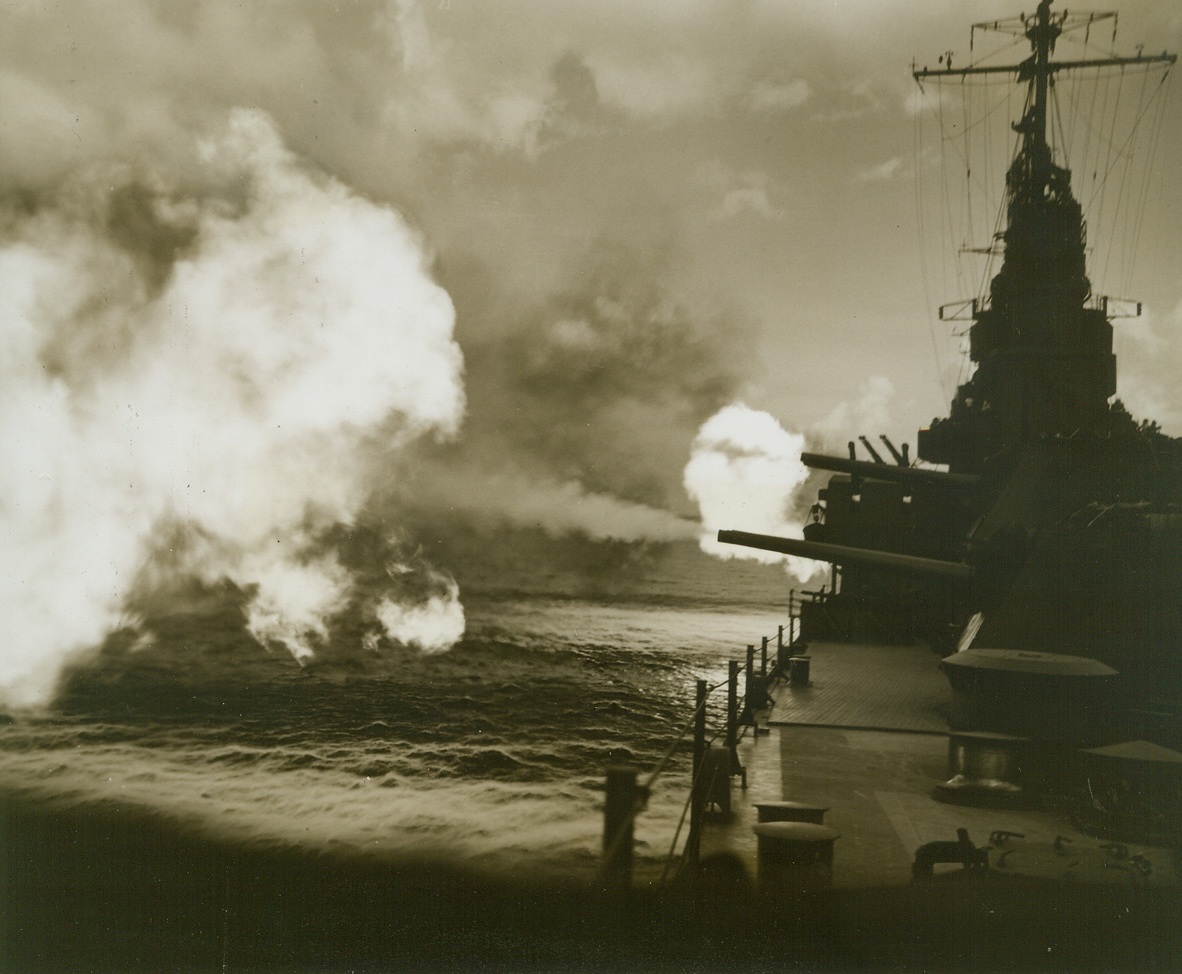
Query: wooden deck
point(868, 687)
point(867, 739)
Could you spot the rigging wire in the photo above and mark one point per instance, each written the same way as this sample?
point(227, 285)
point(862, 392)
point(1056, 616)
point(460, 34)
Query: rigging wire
point(1072, 119)
point(1128, 211)
point(1094, 164)
point(999, 222)
point(1161, 93)
point(979, 181)
point(1140, 204)
point(1087, 121)
point(1108, 158)
point(1123, 150)
point(1087, 165)
point(945, 209)
point(1098, 147)
point(950, 240)
point(966, 102)
point(916, 147)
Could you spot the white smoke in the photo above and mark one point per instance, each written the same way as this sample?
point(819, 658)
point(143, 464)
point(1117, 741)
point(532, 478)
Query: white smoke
point(556, 507)
point(293, 600)
point(431, 626)
point(744, 474)
point(247, 399)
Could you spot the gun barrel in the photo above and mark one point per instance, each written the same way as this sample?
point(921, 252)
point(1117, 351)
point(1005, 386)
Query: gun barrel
point(885, 471)
point(845, 555)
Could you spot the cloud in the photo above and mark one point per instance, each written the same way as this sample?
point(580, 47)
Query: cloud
point(751, 198)
point(773, 95)
point(668, 87)
point(603, 383)
point(739, 193)
point(869, 414)
point(1148, 368)
point(889, 169)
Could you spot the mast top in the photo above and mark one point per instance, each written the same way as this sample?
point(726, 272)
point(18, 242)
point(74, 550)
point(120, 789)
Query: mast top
point(1043, 28)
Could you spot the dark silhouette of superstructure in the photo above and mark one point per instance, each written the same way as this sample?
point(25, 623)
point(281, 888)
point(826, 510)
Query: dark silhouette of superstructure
point(1055, 524)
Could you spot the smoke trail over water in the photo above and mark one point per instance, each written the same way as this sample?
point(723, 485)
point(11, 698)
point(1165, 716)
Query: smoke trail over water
point(234, 391)
point(515, 499)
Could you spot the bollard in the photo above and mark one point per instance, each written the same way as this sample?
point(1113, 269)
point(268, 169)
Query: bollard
point(622, 799)
point(763, 658)
point(989, 770)
point(798, 671)
point(759, 695)
point(791, 812)
point(794, 856)
point(713, 787)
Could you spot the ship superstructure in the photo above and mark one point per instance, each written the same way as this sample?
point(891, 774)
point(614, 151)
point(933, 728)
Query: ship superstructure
point(1054, 520)
point(1041, 341)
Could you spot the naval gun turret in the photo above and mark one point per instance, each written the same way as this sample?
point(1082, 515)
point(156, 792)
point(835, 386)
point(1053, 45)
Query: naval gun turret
point(895, 536)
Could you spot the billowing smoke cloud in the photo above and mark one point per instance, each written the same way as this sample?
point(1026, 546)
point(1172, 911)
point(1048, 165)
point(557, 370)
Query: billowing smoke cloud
point(223, 364)
point(620, 202)
point(745, 473)
point(432, 625)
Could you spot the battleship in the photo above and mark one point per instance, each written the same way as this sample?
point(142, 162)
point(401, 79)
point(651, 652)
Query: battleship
point(1039, 517)
point(1032, 544)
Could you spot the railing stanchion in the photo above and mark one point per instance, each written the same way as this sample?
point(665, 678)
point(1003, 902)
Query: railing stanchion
point(696, 804)
point(748, 717)
point(624, 797)
point(792, 614)
point(621, 797)
point(732, 706)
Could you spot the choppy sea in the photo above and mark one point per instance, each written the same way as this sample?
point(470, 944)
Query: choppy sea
point(492, 753)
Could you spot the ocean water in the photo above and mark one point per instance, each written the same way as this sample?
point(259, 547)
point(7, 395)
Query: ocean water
point(492, 753)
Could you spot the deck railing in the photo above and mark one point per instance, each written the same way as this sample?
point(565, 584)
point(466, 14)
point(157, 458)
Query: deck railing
point(714, 764)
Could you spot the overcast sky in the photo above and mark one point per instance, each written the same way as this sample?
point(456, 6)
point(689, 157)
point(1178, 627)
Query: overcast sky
point(640, 213)
point(748, 165)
